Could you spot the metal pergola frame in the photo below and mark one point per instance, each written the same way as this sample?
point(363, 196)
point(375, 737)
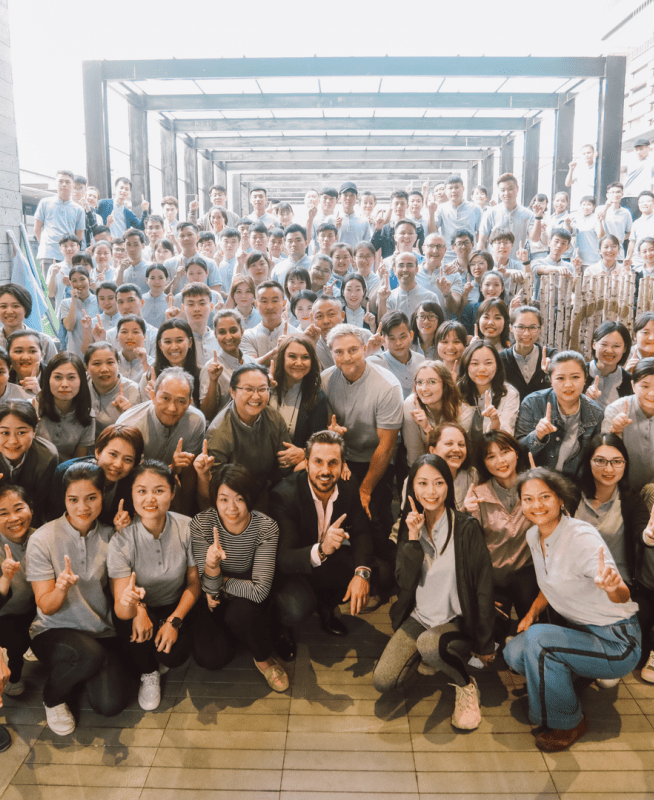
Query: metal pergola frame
point(280, 148)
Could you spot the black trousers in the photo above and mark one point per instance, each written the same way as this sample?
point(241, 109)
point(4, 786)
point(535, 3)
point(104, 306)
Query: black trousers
point(520, 592)
point(73, 657)
point(15, 637)
point(143, 657)
point(380, 509)
point(217, 633)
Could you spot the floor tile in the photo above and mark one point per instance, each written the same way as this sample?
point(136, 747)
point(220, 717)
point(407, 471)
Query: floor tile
point(604, 782)
point(467, 783)
point(197, 758)
point(353, 782)
point(80, 775)
point(234, 779)
point(347, 760)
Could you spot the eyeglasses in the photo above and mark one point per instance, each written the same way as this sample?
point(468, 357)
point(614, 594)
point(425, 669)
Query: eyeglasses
point(250, 390)
point(616, 463)
point(427, 317)
point(523, 328)
point(463, 244)
point(428, 382)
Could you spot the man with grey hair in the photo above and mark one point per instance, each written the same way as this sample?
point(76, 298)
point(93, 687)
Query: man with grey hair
point(173, 429)
point(366, 401)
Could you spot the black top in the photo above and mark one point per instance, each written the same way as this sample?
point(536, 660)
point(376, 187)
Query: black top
point(539, 380)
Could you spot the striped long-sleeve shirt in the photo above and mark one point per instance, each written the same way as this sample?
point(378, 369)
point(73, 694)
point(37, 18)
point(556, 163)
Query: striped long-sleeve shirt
point(254, 549)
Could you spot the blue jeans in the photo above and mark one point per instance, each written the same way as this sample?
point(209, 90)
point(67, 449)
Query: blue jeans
point(550, 657)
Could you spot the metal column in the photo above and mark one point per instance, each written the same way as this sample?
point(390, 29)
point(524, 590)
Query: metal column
point(473, 177)
point(611, 110)
point(169, 185)
point(95, 128)
point(139, 163)
point(234, 193)
point(506, 156)
point(488, 172)
point(206, 179)
point(530, 163)
point(219, 174)
point(563, 140)
point(190, 174)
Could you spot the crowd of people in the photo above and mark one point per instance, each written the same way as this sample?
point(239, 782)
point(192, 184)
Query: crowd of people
point(208, 450)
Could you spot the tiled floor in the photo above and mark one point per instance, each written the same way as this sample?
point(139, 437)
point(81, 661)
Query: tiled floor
point(225, 736)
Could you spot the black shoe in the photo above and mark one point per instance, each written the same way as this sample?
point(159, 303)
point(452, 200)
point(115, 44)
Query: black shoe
point(286, 646)
point(330, 623)
point(5, 739)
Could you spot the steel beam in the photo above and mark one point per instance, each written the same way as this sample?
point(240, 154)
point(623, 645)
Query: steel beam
point(516, 123)
point(206, 68)
point(365, 179)
point(531, 163)
point(257, 142)
point(169, 185)
point(611, 110)
point(347, 166)
point(139, 162)
point(96, 130)
point(563, 140)
point(206, 102)
point(290, 156)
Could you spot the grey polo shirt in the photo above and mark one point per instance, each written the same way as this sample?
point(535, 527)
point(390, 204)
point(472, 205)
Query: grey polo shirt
point(160, 564)
point(22, 596)
point(450, 218)
point(171, 264)
point(135, 273)
point(154, 309)
point(67, 434)
point(160, 440)
point(527, 364)
point(150, 343)
point(373, 401)
point(258, 341)
point(405, 373)
point(409, 301)
point(519, 221)
point(74, 339)
point(566, 573)
point(229, 364)
point(638, 438)
point(107, 414)
point(86, 607)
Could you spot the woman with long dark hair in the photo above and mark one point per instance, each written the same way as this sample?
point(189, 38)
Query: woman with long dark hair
point(444, 612)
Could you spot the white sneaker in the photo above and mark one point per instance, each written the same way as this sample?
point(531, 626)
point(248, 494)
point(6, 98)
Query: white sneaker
point(607, 683)
point(647, 672)
point(15, 689)
point(150, 691)
point(467, 714)
point(60, 720)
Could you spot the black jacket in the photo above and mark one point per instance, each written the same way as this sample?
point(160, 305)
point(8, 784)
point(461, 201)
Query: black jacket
point(292, 507)
point(474, 580)
point(539, 380)
point(310, 422)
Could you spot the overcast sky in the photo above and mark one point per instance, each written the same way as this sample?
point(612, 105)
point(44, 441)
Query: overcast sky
point(51, 38)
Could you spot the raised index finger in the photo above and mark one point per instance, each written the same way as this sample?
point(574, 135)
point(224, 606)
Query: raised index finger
point(548, 413)
point(216, 537)
point(8, 552)
point(180, 444)
point(339, 521)
point(600, 568)
point(68, 567)
point(205, 445)
point(412, 504)
point(121, 506)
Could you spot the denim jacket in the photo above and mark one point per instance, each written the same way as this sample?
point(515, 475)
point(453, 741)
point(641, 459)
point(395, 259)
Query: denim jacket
point(546, 453)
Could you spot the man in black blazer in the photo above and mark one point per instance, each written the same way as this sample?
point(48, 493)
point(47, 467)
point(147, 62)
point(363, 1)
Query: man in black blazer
point(324, 555)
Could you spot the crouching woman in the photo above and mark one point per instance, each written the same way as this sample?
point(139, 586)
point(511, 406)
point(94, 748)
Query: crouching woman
point(444, 611)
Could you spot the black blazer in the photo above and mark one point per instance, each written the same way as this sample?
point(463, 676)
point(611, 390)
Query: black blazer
point(292, 507)
point(539, 380)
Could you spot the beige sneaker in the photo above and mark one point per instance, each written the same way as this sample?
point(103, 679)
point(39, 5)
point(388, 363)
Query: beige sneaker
point(647, 672)
point(467, 713)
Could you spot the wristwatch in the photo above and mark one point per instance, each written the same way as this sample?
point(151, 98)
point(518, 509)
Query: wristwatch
point(176, 622)
point(363, 572)
point(321, 553)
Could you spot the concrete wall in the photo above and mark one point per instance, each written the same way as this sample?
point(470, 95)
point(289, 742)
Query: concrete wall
point(10, 202)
